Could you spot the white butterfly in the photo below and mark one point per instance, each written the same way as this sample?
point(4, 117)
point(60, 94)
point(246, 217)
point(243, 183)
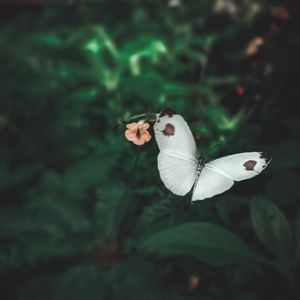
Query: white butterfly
point(181, 168)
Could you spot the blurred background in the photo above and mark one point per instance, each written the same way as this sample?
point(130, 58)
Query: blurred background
point(83, 212)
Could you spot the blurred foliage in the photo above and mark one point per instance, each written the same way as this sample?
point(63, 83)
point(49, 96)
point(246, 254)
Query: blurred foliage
point(84, 214)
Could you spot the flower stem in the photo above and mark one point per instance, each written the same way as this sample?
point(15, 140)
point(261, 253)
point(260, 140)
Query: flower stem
point(139, 116)
point(150, 117)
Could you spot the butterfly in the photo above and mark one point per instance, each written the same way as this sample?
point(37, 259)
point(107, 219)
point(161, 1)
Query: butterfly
point(181, 168)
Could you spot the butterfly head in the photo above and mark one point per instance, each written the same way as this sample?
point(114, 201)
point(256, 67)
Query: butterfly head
point(167, 112)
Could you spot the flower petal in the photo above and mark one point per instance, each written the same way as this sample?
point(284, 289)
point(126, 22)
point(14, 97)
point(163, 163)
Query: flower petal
point(145, 126)
point(139, 142)
point(146, 136)
point(133, 126)
point(130, 135)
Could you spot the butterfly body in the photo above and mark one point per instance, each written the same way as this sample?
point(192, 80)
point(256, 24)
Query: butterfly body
point(182, 169)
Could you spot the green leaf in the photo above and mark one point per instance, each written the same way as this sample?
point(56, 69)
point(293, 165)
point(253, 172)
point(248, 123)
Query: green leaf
point(205, 241)
point(227, 203)
point(9, 178)
point(110, 212)
point(271, 227)
point(219, 117)
point(85, 174)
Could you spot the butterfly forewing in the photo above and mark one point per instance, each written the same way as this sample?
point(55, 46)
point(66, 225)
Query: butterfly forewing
point(240, 166)
point(174, 136)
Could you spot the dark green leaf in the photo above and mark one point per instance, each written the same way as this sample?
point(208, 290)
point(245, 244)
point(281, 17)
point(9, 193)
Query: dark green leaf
point(208, 242)
point(227, 203)
point(271, 226)
point(86, 174)
point(9, 178)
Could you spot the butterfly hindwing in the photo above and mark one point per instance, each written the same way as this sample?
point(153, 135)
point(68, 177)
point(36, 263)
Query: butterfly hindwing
point(209, 184)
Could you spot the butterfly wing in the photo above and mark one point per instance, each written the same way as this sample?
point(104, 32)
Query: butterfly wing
point(174, 136)
point(219, 175)
point(210, 183)
point(240, 166)
point(177, 160)
point(177, 174)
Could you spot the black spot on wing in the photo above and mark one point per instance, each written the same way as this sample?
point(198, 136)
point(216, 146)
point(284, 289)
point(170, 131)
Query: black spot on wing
point(249, 165)
point(167, 112)
point(169, 130)
point(266, 156)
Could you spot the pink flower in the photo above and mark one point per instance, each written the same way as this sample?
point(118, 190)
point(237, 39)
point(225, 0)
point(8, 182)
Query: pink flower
point(137, 133)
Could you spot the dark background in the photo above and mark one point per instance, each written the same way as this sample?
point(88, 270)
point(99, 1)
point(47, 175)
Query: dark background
point(83, 213)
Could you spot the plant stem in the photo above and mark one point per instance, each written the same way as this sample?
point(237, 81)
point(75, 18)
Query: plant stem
point(128, 209)
point(150, 117)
